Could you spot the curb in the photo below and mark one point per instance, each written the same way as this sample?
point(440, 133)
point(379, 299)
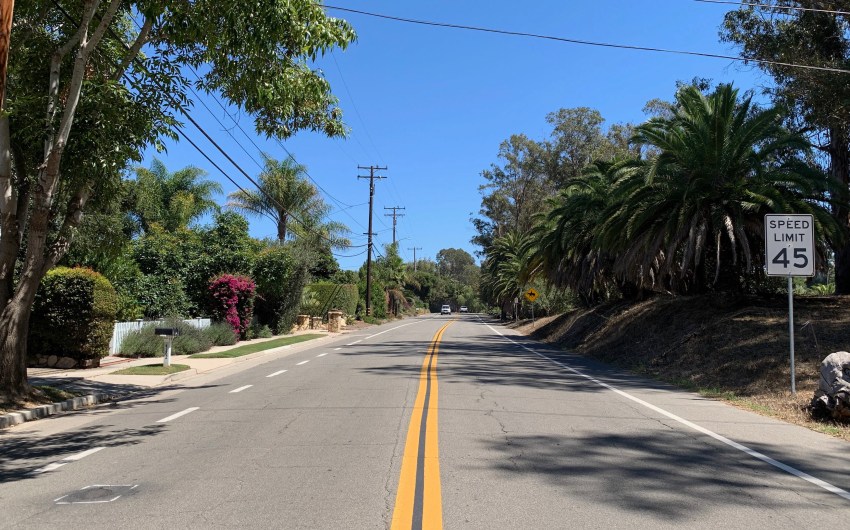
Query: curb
point(22, 416)
point(16, 418)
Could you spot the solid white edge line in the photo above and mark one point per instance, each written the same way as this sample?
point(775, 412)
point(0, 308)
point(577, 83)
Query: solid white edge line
point(240, 389)
point(276, 373)
point(175, 416)
point(392, 329)
point(720, 438)
point(303, 362)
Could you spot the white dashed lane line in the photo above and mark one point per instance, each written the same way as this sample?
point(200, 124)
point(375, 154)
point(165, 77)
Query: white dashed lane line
point(240, 389)
point(337, 349)
point(276, 373)
point(321, 355)
point(67, 460)
point(175, 416)
point(303, 362)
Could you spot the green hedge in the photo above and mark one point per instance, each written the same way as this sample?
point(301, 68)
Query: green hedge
point(333, 296)
point(73, 315)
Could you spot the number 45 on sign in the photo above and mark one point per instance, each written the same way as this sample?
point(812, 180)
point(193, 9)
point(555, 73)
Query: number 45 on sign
point(790, 245)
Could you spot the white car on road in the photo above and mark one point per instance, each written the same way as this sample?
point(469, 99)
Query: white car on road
point(446, 310)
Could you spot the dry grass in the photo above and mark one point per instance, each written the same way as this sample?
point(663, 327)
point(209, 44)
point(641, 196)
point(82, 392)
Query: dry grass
point(40, 395)
point(734, 349)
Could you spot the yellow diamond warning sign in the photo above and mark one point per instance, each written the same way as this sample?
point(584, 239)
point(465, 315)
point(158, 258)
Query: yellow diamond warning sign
point(531, 294)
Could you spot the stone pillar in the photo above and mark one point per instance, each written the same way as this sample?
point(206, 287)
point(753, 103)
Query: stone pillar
point(316, 323)
point(302, 322)
point(335, 321)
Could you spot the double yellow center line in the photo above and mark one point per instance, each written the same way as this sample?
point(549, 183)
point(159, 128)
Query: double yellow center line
point(418, 501)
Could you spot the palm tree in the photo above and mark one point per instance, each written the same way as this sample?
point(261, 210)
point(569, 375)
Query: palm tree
point(318, 230)
point(284, 193)
point(562, 246)
point(172, 200)
point(504, 271)
point(692, 217)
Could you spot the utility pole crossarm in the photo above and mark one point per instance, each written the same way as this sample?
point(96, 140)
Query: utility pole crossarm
point(414, 249)
point(395, 215)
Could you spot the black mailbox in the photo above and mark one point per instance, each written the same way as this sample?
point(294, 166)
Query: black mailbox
point(167, 332)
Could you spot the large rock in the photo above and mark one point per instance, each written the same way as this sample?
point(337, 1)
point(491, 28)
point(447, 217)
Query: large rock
point(832, 398)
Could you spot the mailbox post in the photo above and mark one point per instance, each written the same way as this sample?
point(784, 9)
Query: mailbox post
point(168, 334)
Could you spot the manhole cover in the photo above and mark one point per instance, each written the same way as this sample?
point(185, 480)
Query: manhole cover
point(96, 493)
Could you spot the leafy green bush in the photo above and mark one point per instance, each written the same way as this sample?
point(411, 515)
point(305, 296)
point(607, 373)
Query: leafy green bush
point(220, 334)
point(281, 272)
point(261, 331)
point(333, 296)
point(160, 296)
point(73, 314)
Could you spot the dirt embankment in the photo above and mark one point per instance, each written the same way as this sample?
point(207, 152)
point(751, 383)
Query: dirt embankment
point(736, 348)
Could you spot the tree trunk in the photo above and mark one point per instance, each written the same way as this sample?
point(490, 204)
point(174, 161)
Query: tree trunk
point(14, 326)
point(839, 167)
point(281, 229)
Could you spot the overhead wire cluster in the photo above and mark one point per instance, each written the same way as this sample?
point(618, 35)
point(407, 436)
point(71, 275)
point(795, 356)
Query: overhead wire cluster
point(344, 207)
point(179, 107)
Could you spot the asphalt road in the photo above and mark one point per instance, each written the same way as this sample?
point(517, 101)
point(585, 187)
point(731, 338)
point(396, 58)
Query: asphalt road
point(436, 421)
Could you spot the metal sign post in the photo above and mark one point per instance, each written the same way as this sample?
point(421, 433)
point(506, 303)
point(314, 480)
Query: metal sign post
point(790, 251)
point(531, 295)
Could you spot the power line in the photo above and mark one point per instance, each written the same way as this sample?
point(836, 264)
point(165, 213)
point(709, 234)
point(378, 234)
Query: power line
point(250, 139)
point(179, 106)
point(356, 111)
point(768, 7)
point(586, 42)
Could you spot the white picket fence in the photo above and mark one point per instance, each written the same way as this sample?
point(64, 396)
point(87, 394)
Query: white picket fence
point(122, 329)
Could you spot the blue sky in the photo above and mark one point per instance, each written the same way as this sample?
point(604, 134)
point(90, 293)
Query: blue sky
point(434, 104)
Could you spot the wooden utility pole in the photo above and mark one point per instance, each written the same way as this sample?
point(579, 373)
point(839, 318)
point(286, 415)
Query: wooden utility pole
point(414, 249)
point(7, 7)
point(371, 178)
point(394, 215)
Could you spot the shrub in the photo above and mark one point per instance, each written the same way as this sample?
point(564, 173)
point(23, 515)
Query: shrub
point(333, 296)
point(221, 334)
point(73, 314)
point(261, 332)
point(232, 301)
point(190, 340)
point(142, 343)
point(145, 343)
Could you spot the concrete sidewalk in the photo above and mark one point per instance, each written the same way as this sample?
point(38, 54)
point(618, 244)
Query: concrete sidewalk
point(100, 385)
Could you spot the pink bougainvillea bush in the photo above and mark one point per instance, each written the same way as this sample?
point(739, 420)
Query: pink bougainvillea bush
point(232, 301)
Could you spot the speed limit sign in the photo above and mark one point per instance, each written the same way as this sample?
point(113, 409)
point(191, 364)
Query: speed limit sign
point(789, 244)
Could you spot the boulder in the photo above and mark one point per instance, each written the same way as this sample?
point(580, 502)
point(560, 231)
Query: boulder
point(66, 363)
point(832, 398)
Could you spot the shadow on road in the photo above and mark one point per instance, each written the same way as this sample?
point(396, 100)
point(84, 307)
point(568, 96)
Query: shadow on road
point(672, 477)
point(23, 453)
